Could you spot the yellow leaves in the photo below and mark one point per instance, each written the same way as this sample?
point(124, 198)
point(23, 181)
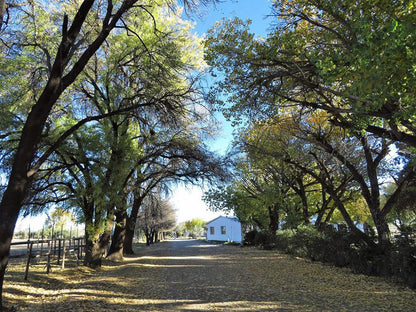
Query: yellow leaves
point(205, 278)
point(318, 119)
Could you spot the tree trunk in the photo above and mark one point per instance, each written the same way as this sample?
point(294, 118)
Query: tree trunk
point(131, 225)
point(128, 240)
point(8, 221)
point(116, 248)
point(19, 180)
point(274, 219)
point(105, 241)
point(156, 236)
point(304, 199)
point(95, 246)
point(2, 10)
point(329, 215)
point(93, 251)
point(325, 203)
point(148, 236)
point(16, 190)
point(152, 237)
point(383, 231)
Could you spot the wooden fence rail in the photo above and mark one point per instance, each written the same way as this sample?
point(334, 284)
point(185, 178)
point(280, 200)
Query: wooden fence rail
point(56, 248)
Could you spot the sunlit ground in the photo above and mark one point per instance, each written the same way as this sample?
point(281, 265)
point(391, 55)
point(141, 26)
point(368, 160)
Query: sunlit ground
point(173, 277)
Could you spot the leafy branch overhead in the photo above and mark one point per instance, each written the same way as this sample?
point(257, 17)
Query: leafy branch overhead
point(84, 84)
point(352, 60)
point(325, 114)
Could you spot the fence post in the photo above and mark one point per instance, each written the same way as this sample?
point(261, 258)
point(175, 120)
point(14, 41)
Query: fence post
point(41, 244)
point(63, 254)
point(78, 251)
point(59, 251)
point(48, 264)
point(29, 255)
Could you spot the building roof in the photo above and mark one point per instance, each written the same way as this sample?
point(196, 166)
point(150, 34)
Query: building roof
point(230, 218)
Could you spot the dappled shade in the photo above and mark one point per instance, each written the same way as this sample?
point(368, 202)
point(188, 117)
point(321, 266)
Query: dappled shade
point(195, 276)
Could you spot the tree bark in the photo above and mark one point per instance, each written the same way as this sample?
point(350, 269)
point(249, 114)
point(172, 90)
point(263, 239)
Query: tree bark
point(325, 202)
point(2, 10)
point(116, 248)
point(95, 246)
point(153, 237)
point(93, 251)
point(273, 219)
point(131, 225)
point(105, 241)
point(128, 240)
point(19, 179)
point(383, 231)
point(302, 194)
point(6, 233)
point(148, 236)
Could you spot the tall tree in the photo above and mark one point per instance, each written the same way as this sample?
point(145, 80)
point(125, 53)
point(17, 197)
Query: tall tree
point(349, 61)
point(353, 60)
point(156, 215)
point(65, 56)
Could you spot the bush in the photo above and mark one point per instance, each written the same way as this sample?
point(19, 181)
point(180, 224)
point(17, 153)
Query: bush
point(249, 237)
point(265, 239)
point(301, 242)
point(404, 260)
point(346, 249)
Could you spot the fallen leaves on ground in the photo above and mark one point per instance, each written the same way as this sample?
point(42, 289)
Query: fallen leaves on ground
point(196, 276)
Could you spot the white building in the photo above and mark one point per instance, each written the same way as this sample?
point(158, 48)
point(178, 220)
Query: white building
point(224, 229)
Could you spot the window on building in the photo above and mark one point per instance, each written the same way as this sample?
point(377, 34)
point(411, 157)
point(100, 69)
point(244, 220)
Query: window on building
point(211, 230)
point(223, 230)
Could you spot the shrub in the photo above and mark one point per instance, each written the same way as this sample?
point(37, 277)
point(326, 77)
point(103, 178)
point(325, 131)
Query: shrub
point(347, 249)
point(404, 260)
point(265, 239)
point(344, 248)
point(249, 237)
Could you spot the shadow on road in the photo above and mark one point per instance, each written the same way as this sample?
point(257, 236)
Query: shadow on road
point(191, 275)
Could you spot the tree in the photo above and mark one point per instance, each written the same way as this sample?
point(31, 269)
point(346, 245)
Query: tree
point(195, 227)
point(361, 156)
point(334, 59)
point(156, 216)
point(85, 161)
point(63, 63)
point(58, 219)
point(353, 61)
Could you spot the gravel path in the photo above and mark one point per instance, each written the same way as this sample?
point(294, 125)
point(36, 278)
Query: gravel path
point(189, 275)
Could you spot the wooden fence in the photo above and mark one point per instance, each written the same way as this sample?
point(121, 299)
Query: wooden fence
point(58, 250)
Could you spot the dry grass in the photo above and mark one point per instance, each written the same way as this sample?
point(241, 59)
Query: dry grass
point(194, 276)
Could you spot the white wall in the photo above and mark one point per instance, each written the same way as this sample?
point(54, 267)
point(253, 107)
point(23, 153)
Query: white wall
point(233, 230)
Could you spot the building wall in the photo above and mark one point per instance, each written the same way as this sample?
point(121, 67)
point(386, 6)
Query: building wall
point(232, 230)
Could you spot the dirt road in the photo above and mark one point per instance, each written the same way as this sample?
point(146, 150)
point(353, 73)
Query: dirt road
point(189, 275)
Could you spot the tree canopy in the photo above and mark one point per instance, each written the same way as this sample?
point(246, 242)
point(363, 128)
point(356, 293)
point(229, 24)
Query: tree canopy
point(324, 106)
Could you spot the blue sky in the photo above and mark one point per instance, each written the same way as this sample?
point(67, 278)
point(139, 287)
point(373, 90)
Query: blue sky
point(187, 200)
point(255, 10)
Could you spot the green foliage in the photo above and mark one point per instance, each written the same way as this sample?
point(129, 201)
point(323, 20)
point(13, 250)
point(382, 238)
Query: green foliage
point(345, 56)
point(151, 66)
point(59, 218)
point(249, 237)
point(235, 199)
point(195, 227)
point(345, 249)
